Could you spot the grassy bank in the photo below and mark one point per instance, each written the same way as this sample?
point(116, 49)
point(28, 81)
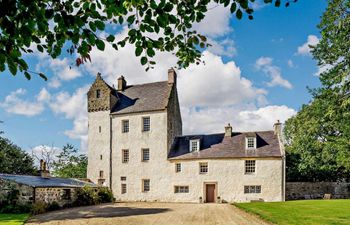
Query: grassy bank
point(13, 219)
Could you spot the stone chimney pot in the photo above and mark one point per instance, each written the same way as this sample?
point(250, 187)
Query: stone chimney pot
point(228, 130)
point(172, 76)
point(277, 127)
point(121, 83)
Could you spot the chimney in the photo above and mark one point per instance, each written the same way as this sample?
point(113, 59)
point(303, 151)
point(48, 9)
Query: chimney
point(121, 83)
point(228, 131)
point(44, 172)
point(171, 76)
point(277, 127)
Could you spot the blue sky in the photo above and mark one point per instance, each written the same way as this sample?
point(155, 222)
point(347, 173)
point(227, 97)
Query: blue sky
point(255, 73)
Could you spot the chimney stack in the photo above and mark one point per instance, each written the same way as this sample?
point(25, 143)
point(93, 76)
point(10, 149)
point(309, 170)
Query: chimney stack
point(228, 131)
point(172, 76)
point(121, 83)
point(44, 172)
point(277, 127)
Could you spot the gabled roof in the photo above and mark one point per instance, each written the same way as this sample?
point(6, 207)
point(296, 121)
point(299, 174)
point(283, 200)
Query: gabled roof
point(219, 146)
point(38, 181)
point(143, 97)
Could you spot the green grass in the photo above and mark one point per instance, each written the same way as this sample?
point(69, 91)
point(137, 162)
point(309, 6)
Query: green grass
point(13, 219)
point(301, 212)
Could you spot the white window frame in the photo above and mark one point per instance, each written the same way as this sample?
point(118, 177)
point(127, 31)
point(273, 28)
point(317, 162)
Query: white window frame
point(181, 189)
point(203, 165)
point(144, 187)
point(125, 155)
point(125, 126)
point(146, 125)
point(178, 167)
point(192, 146)
point(252, 189)
point(249, 166)
point(143, 154)
point(247, 141)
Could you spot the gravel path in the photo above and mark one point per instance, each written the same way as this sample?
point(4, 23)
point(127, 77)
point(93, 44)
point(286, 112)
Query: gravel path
point(148, 213)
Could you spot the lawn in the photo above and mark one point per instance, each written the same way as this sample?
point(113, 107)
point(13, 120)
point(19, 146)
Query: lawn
point(301, 212)
point(13, 219)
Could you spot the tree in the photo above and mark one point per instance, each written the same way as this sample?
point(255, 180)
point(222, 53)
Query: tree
point(70, 164)
point(13, 160)
point(45, 153)
point(78, 25)
point(318, 136)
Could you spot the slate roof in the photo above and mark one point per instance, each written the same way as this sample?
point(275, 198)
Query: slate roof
point(38, 181)
point(143, 97)
point(219, 146)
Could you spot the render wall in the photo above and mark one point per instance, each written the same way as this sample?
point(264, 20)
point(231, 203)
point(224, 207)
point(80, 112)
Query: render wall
point(98, 144)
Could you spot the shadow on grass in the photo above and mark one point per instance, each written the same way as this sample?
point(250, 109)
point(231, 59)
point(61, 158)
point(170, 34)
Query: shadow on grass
point(105, 211)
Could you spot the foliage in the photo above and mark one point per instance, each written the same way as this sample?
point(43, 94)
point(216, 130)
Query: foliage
point(86, 196)
point(105, 195)
point(14, 160)
point(39, 207)
point(301, 212)
point(318, 136)
point(13, 219)
point(53, 206)
point(16, 208)
point(69, 164)
point(49, 26)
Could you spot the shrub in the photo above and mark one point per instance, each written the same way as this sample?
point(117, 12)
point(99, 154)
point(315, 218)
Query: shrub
point(86, 196)
point(15, 208)
point(105, 195)
point(39, 207)
point(53, 206)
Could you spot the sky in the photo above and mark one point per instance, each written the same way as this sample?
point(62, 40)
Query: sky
point(256, 72)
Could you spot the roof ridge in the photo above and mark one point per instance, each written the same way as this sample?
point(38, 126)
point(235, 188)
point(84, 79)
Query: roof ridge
point(132, 85)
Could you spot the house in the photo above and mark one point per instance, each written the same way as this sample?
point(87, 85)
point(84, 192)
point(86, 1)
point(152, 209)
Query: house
point(136, 147)
point(43, 188)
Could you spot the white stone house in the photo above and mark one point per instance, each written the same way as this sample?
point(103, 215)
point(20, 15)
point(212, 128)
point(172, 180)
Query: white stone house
point(136, 147)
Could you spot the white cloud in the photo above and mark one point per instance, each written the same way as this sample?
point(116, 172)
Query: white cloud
point(225, 47)
point(290, 63)
point(259, 4)
point(14, 103)
point(305, 48)
point(265, 64)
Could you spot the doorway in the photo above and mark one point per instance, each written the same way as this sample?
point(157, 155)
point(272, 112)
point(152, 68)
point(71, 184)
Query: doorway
point(210, 192)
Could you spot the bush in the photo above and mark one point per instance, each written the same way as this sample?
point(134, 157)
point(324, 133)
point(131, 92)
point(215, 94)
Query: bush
point(39, 207)
point(53, 206)
point(15, 208)
point(105, 195)
point(86, 196)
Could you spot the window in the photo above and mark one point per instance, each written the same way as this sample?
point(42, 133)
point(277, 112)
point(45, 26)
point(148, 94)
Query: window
point(177, 167)
point(194, 145)
point(101, 173)
point(98, 93)
point(125, 126)
point(123, 188)
point(66, 194)
point(145, 154)
point(251, 142)
point(146, 121)
point(123, 178)
point(181, 189)
point(203, 167)
point(249, 166)
point(99, 129)
point(125, 156)
point(146, 185)
point(252, 189)
point(100, 157)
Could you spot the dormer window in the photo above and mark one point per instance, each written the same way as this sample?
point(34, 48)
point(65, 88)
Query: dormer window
point(98, 93)
point(250, 142)
point(194, 145)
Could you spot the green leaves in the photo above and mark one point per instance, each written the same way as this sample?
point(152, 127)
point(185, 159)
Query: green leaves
point(100, 44)
point(144, 60)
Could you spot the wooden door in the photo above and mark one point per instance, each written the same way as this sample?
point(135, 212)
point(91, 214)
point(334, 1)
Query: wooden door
point(210, 193)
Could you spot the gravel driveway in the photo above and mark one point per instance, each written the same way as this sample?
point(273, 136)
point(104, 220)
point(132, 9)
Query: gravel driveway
point(148, 213)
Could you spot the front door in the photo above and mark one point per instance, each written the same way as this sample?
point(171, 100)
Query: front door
point(210, 193)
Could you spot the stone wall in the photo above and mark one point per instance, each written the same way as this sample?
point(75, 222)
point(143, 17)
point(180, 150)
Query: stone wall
point(49, 195)
point(25, 192)
point(316, 190)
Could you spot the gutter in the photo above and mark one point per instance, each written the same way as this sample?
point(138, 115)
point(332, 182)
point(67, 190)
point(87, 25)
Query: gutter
point(110, 152)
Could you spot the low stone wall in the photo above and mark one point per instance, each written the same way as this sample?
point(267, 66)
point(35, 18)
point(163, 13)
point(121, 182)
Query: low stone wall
point(49, 195)
point(316, 190)
point(25, 192)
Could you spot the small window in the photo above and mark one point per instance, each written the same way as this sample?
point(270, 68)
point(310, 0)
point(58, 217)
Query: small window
point(101, 173)
point(177, 167)
point(146, 185)
point(66, 194)
point(181, 189)
point(100, 157)
point(252, 189)
point(249, 166)
point(145, 154)
point(99, 129)
point(146, 121)
point(98, 93)
point(203, 168)
point(123, 189)
point(194, 145)
point(125, 126)
point(125, 156)
point(123, 178)
point(251, 142)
